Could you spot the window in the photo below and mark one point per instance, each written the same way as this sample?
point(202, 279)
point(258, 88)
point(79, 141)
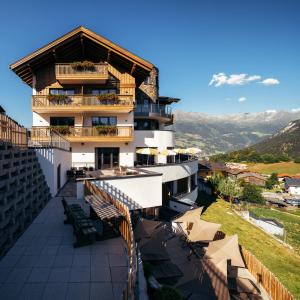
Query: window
point(62, 92)
point(96, 121)
point(62, 121)
point(146, 124)
point(103, 91)
point(147, 80)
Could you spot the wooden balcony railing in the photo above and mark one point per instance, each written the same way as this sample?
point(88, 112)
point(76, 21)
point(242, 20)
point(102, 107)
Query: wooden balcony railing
point(67, 73)
point(79, 101)
point(94, 133)
point(126, 231)
point(68, 69)
point(12, 132)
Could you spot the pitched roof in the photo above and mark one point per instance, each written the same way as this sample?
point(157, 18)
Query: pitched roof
point(251, 174)
point(292, 182)
point(78, 44)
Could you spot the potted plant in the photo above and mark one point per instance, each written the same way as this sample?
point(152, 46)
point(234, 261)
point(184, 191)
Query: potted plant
point(101, 129)
point(58, 98)
point(61, 129)
point(85, 65)
point(112, 98)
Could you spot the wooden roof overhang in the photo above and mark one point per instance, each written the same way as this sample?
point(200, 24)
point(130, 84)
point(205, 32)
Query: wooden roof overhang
point(82, 44)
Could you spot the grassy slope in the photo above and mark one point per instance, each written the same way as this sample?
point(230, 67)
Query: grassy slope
point(282, 167)
point(283, 262)
point(291, 224)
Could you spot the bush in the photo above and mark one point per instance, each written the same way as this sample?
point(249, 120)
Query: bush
point(297, 160)
point(167, 293)
point(252, 194)
point(271, 181)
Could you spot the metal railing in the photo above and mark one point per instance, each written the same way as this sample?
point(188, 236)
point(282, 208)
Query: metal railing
point(12, 132)
point(68, 69)
point(154, 109)
point(80, 100)
point(85, 131)
point(45, 137)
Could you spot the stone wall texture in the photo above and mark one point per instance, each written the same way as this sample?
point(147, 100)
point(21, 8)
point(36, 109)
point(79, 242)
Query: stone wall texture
point(151, 88)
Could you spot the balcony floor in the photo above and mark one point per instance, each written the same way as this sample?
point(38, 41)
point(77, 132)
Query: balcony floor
point(44, 265)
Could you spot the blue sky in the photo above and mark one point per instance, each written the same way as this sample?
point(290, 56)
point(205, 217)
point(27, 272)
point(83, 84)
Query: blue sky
point(189, 41)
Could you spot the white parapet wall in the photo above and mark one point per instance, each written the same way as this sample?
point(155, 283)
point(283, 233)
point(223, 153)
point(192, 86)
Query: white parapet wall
point(145, 191)
point(176, 171)
point(53, 161)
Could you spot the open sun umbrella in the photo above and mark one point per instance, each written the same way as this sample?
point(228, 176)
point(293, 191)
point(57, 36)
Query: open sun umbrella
point(168, 152)
point(193, 151)
point(147, 151)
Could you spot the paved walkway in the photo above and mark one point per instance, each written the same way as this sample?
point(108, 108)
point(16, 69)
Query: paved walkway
point(44, 265)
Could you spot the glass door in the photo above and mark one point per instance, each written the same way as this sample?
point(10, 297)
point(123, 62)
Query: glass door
point(107, 157)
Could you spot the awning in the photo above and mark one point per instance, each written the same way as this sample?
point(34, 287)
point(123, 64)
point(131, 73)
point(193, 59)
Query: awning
point(228, 249)
point(202, 231)
point(166, 270)
point(189, 215)
point(144, 228)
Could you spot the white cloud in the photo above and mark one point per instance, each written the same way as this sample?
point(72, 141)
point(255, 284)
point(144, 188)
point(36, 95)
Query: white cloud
point(271, 111)
point(295, 110)
point(233, 79)
point(270, 81)
point(242, 99)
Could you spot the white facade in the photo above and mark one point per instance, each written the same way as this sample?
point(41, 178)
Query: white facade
point(294, 190)
point(50, 159)
point(160, 139)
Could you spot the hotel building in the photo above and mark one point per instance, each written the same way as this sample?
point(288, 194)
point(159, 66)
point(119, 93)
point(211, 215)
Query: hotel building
point(105, 101)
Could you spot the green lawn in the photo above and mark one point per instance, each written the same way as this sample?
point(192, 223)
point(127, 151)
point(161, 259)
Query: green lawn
point(280, 168)
point(291, 224)
point(283, 262)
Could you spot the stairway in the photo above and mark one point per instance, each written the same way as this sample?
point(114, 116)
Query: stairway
point(23, 192)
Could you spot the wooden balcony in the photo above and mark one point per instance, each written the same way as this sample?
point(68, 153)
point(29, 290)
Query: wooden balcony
point(67, 74)
point(87, 133)
point(82, 104)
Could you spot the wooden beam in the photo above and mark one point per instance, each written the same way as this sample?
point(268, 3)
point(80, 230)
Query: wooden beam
point(108, 55)
point(132, 69)
point(82, 46)
point(54, 55)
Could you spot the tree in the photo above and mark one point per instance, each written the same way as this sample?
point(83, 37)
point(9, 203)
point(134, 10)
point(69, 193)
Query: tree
point(252, 193)
point(271, 181)
point(229, 187)
point(215, 180)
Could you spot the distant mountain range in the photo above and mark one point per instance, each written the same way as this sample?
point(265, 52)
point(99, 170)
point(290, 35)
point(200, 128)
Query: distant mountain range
point(224, 133)
point(285, 141)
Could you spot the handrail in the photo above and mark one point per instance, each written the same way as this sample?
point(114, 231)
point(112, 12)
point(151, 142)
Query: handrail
point(48, 138)
point(67, 69)
point(12, 132)
point(85, 131)
point(126, 231)
point(81, 100)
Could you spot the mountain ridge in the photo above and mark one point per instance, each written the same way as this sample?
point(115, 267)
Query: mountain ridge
point(224, 133)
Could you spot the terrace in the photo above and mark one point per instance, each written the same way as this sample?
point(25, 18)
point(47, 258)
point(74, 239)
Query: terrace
point(44, 265)
point(157, 111)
